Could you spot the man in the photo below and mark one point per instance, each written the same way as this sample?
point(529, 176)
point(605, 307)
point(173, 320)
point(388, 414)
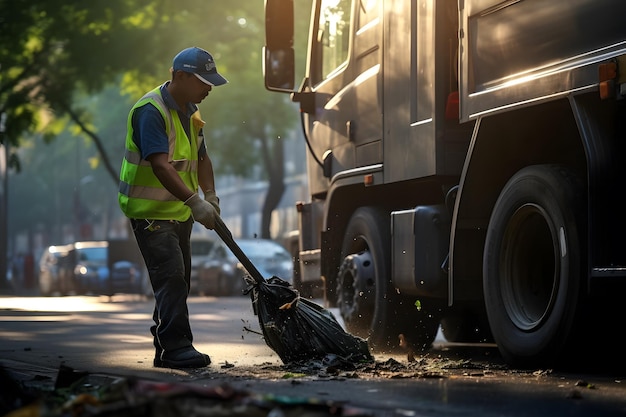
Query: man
point(164, 166)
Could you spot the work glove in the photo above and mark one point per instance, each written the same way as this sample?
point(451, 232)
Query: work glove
point(202, 211)
point(213, 199)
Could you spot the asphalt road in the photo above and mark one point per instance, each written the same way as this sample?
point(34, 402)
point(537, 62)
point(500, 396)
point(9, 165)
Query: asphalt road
point(110, 336)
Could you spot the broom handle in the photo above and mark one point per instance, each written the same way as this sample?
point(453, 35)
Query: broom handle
point(223, 232)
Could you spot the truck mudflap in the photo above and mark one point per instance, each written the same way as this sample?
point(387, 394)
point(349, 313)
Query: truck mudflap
point(419, 246)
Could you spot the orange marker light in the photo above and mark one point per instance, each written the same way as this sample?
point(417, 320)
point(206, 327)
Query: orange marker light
point(606, 89)
point(607, 73)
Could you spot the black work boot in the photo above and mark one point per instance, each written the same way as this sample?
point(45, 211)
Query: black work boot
point(187, 357)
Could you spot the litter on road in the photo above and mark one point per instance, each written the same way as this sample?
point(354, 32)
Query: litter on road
point(82, 394)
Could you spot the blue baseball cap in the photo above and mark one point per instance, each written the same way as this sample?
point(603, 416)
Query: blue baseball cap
point(199, 62)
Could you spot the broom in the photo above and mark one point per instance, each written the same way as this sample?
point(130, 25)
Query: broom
point(295, 328)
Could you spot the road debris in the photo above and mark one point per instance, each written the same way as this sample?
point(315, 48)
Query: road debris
point(80, 394)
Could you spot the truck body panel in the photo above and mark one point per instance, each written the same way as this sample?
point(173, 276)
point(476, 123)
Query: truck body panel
point(521, 52)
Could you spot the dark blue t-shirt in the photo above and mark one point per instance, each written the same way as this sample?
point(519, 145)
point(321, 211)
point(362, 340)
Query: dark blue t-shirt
point(149, 127)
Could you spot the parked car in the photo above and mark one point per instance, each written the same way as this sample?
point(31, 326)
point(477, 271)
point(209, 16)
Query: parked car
point(91, 270)
point(56, 270)
point(128, 277)
point(200, 248)
point(93, 267)
point(128, 270)
point(223, 275)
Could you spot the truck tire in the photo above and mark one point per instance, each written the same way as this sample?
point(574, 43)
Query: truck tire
point(368, 302)
point(533, 270)
point(363, 285)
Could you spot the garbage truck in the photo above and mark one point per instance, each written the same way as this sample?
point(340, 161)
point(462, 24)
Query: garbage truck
point(466, 163)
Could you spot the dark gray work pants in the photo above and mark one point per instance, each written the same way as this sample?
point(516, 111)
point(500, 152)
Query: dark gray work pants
point(165, 246)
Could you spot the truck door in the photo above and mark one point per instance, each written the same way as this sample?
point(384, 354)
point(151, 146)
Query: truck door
point(344, 74)
point(408, 68)
point(419, 66)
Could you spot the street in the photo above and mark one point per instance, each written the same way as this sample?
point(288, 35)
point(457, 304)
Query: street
point(110, 336)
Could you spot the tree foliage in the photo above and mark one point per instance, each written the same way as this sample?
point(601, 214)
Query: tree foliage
point(50, 50)
point(70, 69)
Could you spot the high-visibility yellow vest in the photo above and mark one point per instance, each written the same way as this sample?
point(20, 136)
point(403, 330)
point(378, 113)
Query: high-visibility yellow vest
point(141, 195)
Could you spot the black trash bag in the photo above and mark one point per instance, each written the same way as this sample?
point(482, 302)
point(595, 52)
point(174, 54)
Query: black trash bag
point(297, 329)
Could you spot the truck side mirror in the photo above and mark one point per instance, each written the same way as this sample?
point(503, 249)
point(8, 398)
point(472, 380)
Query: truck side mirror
point(278, 54)
point(279, 69)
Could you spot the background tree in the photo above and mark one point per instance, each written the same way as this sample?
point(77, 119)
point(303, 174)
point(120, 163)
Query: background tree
point(69, 70)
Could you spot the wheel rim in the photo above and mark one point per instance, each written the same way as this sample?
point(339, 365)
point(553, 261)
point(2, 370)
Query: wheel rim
point(529, 267)
point(356, 288)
